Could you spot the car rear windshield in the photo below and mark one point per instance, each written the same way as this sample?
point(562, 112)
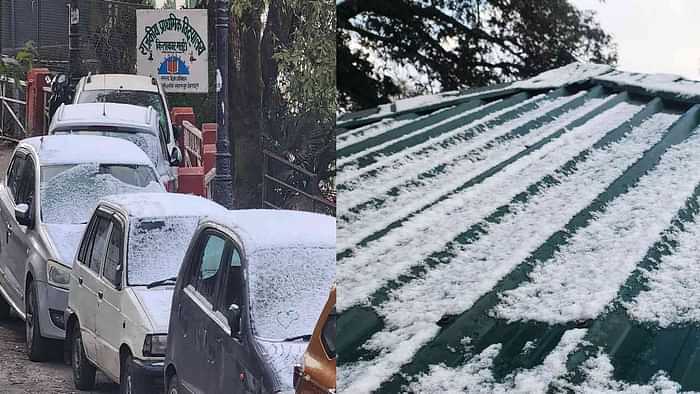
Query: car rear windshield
point(157, 247)
point(133, 97)
point(148, 142)
point(69, 192)
point(288, 290)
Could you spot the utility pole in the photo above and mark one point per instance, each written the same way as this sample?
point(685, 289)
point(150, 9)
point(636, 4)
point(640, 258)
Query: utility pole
point(74, 42)
point(222, 184)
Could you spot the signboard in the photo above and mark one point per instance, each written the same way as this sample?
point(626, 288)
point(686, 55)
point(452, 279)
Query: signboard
point(173, 47)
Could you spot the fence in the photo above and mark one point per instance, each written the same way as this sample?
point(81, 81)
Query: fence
point(13, 104)
point(289, 186)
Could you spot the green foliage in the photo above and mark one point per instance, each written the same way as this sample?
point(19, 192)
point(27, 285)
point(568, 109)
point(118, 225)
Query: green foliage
point(18, 66)
point(458, 44)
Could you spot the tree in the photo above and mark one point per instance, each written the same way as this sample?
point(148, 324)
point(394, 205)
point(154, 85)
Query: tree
point(459, 44)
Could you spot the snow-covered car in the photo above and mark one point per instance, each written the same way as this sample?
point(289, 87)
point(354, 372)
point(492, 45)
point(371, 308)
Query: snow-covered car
point(47, 196)
point(139, 125)
point(248, 295)
point(127, 89)
point(121, 286)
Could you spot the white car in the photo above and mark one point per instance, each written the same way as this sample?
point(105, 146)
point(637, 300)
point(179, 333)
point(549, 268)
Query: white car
point(47, 196)
point(127, 89)
point(139, 125)
point(122, 283)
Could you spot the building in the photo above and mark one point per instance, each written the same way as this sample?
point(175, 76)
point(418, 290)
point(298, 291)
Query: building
point(534, 236)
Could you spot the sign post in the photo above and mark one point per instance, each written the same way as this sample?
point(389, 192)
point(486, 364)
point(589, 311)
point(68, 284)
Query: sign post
point(173, 46)
point(74, 63)
point(222, 184)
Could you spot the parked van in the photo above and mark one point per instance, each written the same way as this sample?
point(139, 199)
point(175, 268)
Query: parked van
point(248, 295)
point(317, 374)
point(121, 286)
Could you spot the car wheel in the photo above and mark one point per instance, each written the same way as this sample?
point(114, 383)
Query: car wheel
point(4, 308)
point(173, 385)
point(37, 346)
point(128, 380)
point(83, 370)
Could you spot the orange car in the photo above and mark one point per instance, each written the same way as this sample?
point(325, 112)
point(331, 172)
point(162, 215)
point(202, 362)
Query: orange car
point(318, 372)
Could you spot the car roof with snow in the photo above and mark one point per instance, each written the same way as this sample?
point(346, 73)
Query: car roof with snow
point(533, 236)
point(278, 228)
point(158, 205)
point(120, 81)
point(75, 149)
point(106, 114)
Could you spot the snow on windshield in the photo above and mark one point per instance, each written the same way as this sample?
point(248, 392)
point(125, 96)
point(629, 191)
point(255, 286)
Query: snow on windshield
point(157, 247)
point(288, 289)
point(148, 143)
point(71, 194)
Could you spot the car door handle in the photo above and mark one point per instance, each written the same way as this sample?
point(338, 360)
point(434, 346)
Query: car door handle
point(100, 294)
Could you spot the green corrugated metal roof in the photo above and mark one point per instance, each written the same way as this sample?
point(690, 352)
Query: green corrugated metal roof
point(539, 236)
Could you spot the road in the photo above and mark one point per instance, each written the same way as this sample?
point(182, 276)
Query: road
point(17, 373)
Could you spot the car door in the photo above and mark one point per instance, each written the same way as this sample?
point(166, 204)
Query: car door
point(109, 315)
point(18, 244)
point(90, 259)
point(7, 242)
point(233, 372)
point(196, 311)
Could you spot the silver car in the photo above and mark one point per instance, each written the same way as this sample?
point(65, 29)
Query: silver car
point(46, 198)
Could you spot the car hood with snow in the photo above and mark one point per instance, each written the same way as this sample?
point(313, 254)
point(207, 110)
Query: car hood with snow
point(280, 358)
point(156, 303)
point(65, 239)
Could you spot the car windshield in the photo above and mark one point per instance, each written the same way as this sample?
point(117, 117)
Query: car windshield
point(148, 142)
point(157, 247)
point(288, 290)
point(133, 97)
point(69, 192)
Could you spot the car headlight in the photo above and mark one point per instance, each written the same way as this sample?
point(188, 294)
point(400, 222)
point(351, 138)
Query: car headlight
point(155, 345)
point(58, 274)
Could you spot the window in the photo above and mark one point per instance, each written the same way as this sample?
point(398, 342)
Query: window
point(99, 247)
point(328, 334)
point(208, 265)
point(234, 282)
point(86, 244)
point(114, 256)
point(26, 184)
point(13, 175)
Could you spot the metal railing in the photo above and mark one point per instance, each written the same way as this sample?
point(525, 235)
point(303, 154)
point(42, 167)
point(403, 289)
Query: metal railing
point(192, 149)
point(297, 189)
point(12, 108)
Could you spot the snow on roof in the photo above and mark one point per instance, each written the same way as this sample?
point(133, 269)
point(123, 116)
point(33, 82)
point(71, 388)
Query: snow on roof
point(154, 205)
point(267, 228)
point(105, 114)
point(74, 149)
point(120, 81)
point(516, 241)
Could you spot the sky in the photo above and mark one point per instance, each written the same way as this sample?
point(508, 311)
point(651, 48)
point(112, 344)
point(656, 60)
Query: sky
point(652, 36)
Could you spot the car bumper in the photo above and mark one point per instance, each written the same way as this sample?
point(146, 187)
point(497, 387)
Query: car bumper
point(52, 303)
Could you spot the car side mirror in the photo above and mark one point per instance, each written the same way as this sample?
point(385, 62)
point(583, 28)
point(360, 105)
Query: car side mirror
point(177, 131)
point(234, 320)
point(23, 214)
point(175, 157)
point(118, 277)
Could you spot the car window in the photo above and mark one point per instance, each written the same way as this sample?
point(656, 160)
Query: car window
point(27, 186)
point(86, 243)
point(114, 255)
point(208, 266)
point(13, 175)
point(99, 245)
point(234, 282)
point(328, 334)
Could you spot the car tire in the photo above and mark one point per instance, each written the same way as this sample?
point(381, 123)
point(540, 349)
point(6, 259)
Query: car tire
point(83, 370)
point(173, 385)
point(129, 382)
point(4, 308)
point(36, 345)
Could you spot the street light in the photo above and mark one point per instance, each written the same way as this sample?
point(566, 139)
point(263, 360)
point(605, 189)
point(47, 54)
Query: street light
point(222, 184)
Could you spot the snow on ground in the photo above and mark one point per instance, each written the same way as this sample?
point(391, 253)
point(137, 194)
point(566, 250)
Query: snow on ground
point(432, 228)
point(585, 275)
point(477, 267)
point(476, 376)
point(459, 160)
point(673, 295)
